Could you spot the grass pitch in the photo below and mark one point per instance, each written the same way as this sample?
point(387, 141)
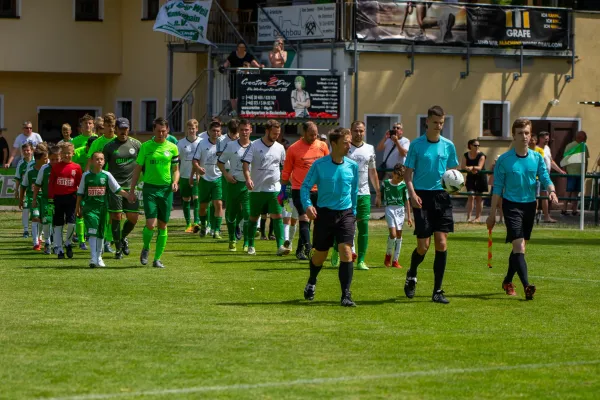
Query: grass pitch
point(223, 325)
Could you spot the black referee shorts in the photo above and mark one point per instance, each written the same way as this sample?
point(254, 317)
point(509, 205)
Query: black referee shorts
point(435, 215)
point(64, 209)
point(314, 196)
point(519, 219)
point(333, 225)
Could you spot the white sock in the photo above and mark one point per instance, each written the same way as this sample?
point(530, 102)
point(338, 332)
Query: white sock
point(58, 240)
point(353, 248)
point(46, 229)
point(99, 248)
point(70, 231)
point(25, 219)
point(397, 249)
point(93, 253)
point(286, 232)
point(391, 242)
point(35, 233)
point(293, 232)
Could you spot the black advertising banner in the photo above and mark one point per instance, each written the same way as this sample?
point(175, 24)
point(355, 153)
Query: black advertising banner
point(288, 96)
point(513, 27)
point(436, 23)
point(423, 23)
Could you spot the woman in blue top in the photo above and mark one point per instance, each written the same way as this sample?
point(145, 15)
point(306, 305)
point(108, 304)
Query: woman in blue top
point(515, 183)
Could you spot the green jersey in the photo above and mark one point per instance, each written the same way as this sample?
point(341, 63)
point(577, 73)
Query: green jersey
point(43, 178)
point(120, 159)
point(394, 195)
point(29, 179)
point(80, 157)
point(81, 141)
point(94, 188)
point(157, 159)
point(22, 168)
point(99, 144)
point(172, 139)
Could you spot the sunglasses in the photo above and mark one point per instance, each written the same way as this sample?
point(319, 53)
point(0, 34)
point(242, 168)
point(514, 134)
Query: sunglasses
point(27, 127)
point(475, 145)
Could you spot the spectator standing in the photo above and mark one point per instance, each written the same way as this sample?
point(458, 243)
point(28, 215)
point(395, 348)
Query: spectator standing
point(543, 140)
point(574, 182)
point(237, 59)
point(28, 135)
point(394, 147)
point(474, 162)
point(278, 56)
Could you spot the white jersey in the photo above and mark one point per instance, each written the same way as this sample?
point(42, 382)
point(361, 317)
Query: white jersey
point(266, 162)
point(34, 139)
point(206, 154)
point(187, 150)
point(395, 157)
point(39, 180)
point(548, 158)
point(20, 165)
point(221, 144)
point(232, 154)
point(364, 156)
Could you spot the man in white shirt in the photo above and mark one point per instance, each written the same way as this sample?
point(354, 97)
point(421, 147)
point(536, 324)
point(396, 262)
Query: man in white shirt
point(394, 146)
point(28, 135)
point(543, 139)
point(189, 190)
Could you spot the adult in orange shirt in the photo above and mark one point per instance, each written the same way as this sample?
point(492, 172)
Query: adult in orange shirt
point(299, 158)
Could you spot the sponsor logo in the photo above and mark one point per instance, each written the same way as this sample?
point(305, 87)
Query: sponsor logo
point(94, 191)
point(61, 181)
point(167, 153)
point(517, 24)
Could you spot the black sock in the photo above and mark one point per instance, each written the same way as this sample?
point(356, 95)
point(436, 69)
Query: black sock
point(415, 260)
point(521, 267)
point(439, 266)
point(263, 222)
point(314, 271)
point(271, 226)
point(345, 273)
point(116, 231)
point(127, 228)
point(510, 274)
point(304, 234)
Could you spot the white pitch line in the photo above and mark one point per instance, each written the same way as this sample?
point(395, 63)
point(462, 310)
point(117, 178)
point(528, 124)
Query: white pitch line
point(322, 381)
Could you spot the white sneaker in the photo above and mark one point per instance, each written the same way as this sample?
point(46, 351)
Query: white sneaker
point(101, 262)
point(283, 251)
point(251, 251)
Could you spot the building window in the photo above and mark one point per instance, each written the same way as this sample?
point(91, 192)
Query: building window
point(9, 8)
point(447, 130)
point(89, 10)
point(125, 110)
point(150, 9)
point(2, 112)
point(148, 115)
point(495, 118)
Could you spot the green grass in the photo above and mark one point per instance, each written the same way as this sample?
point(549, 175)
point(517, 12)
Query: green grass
point(213, 321)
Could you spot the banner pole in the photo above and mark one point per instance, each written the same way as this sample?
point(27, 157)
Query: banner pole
point(582, 193)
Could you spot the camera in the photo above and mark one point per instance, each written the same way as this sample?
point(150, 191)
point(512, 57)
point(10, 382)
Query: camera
point(392, 132)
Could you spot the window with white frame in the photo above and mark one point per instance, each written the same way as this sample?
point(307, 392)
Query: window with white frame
point(447, 130)
point(88, 10)
point(495, 118)
point(2, 111)
point(125, 109)
point(10, 8)
point(148, 115)
point(150, 9)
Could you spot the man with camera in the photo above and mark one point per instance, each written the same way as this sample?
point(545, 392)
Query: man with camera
point(394, 147)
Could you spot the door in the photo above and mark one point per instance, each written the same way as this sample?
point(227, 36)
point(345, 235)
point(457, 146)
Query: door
point(50, 122)
point(561, 134)
point(376, 127)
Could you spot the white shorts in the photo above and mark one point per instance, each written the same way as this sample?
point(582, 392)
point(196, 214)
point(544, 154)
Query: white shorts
point(292, 213)
point(394, 216)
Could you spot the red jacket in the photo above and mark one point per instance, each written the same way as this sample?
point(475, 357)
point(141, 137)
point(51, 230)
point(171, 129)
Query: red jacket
point(64, 179)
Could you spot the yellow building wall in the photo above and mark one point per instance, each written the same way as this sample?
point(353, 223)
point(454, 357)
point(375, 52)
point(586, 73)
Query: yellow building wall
point(48, 39)
point(383, 89)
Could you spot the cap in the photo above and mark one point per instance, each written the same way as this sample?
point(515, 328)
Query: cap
point(122, 123)
point(323, 137)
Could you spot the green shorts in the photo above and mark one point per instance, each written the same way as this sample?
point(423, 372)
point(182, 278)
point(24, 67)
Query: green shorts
point(46, 210)
point(210, 190)
point(95, 221)
point(158, 201)
point(34, 212)
point(363, 207)
point(186, 190)
point(117, 204)
point(260, 200)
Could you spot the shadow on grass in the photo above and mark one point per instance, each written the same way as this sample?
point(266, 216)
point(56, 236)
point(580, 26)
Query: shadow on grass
point(537, 242)
point(249, 259)
point(68, 267)
point(317, 303)
point(483, 296)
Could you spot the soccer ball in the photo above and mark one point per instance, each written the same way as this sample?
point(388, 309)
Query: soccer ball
point(452, 181)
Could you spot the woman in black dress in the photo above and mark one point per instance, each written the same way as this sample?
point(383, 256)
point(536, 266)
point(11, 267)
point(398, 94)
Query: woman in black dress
point(474, 162)
point(238, 59)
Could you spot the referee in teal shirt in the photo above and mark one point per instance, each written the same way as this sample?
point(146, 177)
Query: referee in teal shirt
point(515, 183)
point(336, 177)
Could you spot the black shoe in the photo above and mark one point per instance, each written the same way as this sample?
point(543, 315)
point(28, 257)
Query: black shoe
point(118, 255)
point(438, 297)
point(410, 286)
point(69, 249)
point(529, 292)
point(238, 233)
point(47, 249)
point(301, 256)
point(61, 255)
point(309, 292)
point(125, 246)
point(347, 300)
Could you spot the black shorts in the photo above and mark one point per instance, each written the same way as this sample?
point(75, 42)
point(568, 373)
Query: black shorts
point(477, 183)
point(519, 219)
point(64, 209)
point(333, 225)
point(314, 196)
point(435, 215)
